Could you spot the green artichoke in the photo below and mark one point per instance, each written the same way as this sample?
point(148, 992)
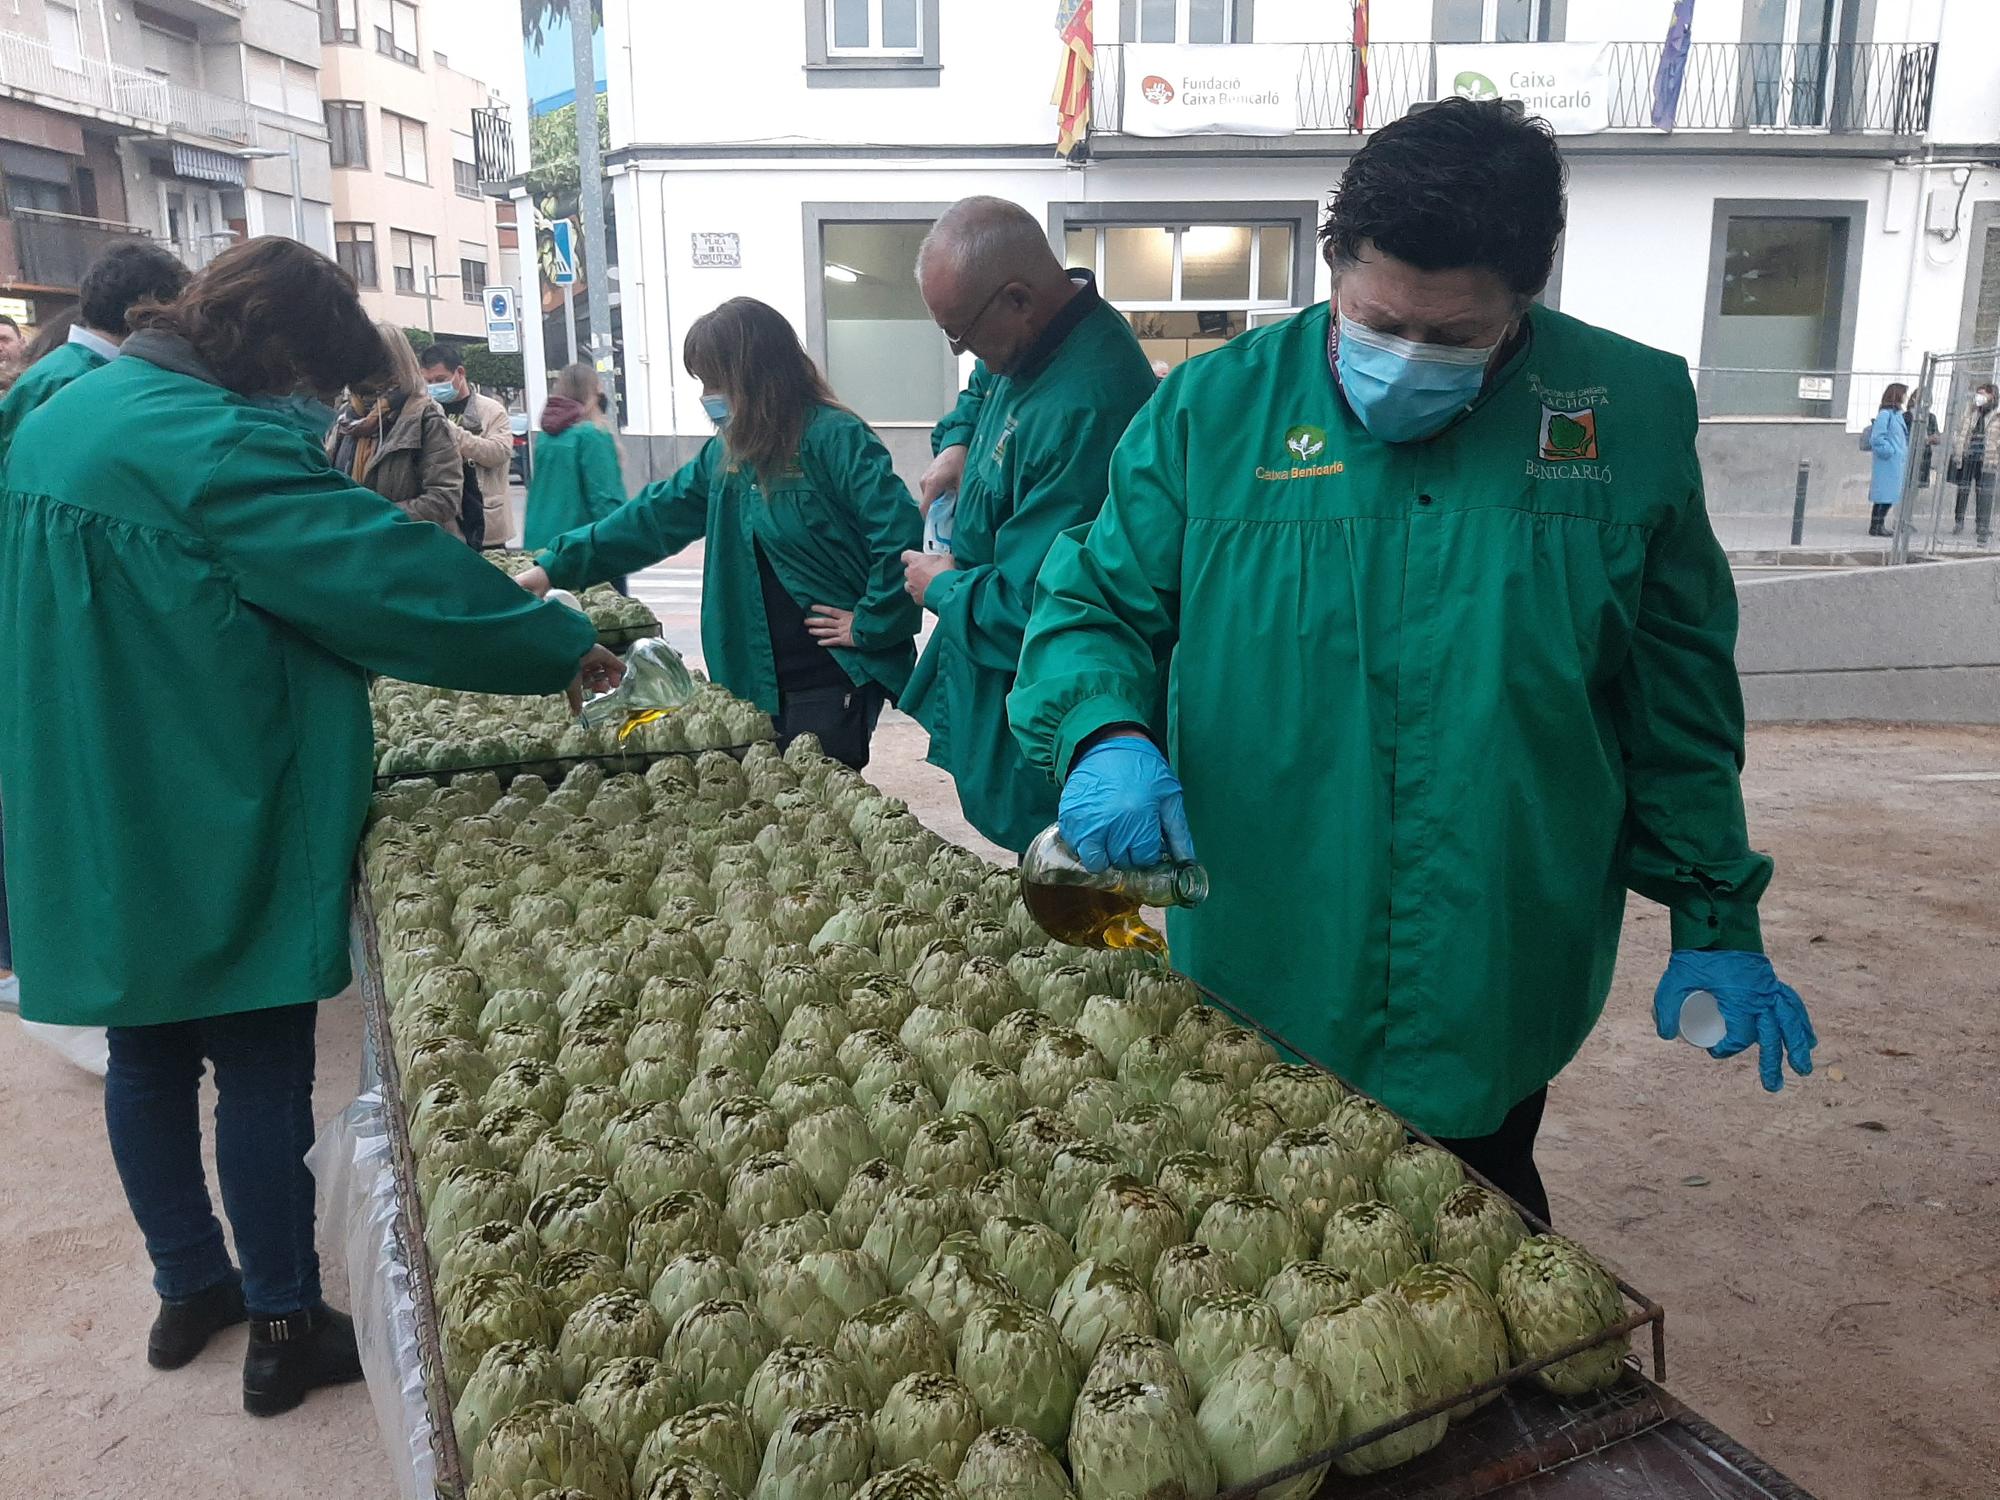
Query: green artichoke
point(766, 1188)
point(1079, 1169)
point(787, 1239)
point(495, 1245)
point(949, 1152)
point(657, 1166)
point(1009, 1463)
point(1369, 1132)
point(926, 1418)
point(1372, 1243)
point(1476, 1231)
point(1057, 1061)
point(1552, 1293)
point(453, 1146)
point(795, 1376)
point(868, 1187)
point(1238, 1055)
point(797, 1098)
point(1128, 1222)
point(1307, 1288)
point(1150, 1066)
point(1302, 1096)
point(585, 1213)
point(1464, 1325)
point(511, 1129)
point(912, 1481)
point(716, 1436)
point(556, 1160)
point(809, 1297)
point(1240, 1131)
point(1097, 1301)
point(739, 1128)
point(508, 1376)
point(1031, 1144)
point(610, 1326)
point(1013, 1034)
point(698, 1276)
point(1093, 1104)
point(1138, 1440)
point(1013, 1360)
point(955, 1280)
point(817, 1453)
point(674, 1225)
point(545, 1446)
point(1198, 1096)
point(911, 1223)
point(1256, 1232)
point(1187, 1270)
point(1129, 1357)
point(987, 1092)
point(470, 1196)
point(1029, 1254)
point(570, 1278)
point(1000, 1194)
point(1308, 1172)
point(488, 1308)
point(1416, 1180)
point(1218, 1326)
point(886, 1341)
point(589, 1108)
point(897, 1113)
point(716, 1345)
point(1194, 1180)
point(1112, 1023)
point(684, 1479)
point(627, 1398)
point(1381, 1366)
point(1264, 1410)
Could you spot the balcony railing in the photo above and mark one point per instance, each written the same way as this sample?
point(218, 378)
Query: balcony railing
point(29, 65)
point(1874, 88)
point(55, 250)
point(493, 144)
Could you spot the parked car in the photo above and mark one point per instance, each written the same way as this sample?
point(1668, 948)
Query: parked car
point(518, 421)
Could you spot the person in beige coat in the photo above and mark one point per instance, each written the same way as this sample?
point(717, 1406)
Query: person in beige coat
point(398, 442)
point(479, 427)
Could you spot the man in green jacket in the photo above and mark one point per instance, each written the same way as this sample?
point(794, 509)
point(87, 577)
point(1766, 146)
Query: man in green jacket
point(121, 278)
point(1448, 656)
point(1027, 447)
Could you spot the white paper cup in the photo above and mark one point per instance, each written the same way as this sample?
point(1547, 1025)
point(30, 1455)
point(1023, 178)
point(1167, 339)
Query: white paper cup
point(1701, 1021)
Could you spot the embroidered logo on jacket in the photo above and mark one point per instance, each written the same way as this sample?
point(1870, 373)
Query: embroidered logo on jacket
point(1569, 435)
point(1303, 444)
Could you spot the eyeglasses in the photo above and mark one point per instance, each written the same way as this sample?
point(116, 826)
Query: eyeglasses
point(958, 340)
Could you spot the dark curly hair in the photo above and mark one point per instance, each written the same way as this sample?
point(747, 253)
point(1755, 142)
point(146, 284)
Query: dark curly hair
point(1459, 183)
point(271, 315)
point(123, 277)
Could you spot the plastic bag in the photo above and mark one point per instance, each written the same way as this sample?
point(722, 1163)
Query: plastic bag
point(938, 518)
point(85, 1046)
point(656, 682)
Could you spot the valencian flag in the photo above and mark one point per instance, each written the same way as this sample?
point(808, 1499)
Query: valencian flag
point(1072, 96)
point(1672, 72)
point(1360, 64)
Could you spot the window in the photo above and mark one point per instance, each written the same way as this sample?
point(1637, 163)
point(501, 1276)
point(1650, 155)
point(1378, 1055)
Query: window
point(65, 35)
point(464, 165)
point(413, 260)
point(168, 51)
point(1189, 288)
point(339, 21)
point(404, 148)
point(1777, 309)
point(874, 28)
point(347, 132)
point(472, 272)
point(1983, 290)
point(871, 43)
point(396, 31)
point(1193, 22)
point(37, 196)
point(273, 83)
point(884, 355)
point(354, 248)
point(1787, 47)
point(1498, 21)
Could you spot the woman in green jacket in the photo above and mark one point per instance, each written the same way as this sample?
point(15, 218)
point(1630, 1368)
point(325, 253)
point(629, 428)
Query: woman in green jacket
point(194, 600)
point(578, 478)
point(803, 610)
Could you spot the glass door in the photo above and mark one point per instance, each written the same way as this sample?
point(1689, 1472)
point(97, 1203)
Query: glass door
point(1788, 62)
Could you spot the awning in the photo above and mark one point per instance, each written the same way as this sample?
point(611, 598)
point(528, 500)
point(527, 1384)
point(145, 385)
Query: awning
point(199, 164)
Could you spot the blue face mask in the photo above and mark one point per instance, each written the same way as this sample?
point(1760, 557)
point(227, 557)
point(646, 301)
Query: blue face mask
point(1404, 391)
point(717, 408)
point(443, 391)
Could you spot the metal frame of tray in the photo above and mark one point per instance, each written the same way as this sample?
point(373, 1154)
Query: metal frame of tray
point(613, 761)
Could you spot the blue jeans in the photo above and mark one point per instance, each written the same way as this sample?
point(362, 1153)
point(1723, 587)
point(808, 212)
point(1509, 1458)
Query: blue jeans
point(263, 1127)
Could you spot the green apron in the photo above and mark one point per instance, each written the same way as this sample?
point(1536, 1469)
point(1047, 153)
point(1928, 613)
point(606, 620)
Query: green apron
point(1436, 705)
point(38, 382)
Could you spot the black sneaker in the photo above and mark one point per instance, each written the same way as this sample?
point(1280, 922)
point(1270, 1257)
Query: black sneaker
point(183, 1329)
point(290, 1356)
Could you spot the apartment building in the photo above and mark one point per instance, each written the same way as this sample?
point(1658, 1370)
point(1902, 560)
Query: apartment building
point(190, 122)
point(410, 220)
point(1823, 208)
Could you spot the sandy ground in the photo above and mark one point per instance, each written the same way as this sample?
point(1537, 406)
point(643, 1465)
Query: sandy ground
point(1830, 1258)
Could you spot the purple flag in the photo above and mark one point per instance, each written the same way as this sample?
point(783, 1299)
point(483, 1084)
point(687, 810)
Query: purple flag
point(1672, 72)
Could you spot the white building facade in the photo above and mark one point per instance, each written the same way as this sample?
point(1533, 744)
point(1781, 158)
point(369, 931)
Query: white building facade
point(1824, 211)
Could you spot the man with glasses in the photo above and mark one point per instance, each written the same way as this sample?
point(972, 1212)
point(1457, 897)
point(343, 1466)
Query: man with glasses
point(1028, 449)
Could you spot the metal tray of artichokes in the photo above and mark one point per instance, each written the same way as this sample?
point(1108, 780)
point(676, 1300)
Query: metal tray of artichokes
point(752, 1141)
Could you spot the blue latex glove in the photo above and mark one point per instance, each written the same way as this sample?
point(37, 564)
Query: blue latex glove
point(1122, 807)
point(1756, 1006)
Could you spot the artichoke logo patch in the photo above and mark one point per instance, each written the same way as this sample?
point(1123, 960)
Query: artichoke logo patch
point(1569, 434)
point(1471, 85)
point(1305, 443)
point(1156, 90)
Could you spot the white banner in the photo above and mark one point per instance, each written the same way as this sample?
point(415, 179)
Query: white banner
point(1211, 90)
point(1566, 83)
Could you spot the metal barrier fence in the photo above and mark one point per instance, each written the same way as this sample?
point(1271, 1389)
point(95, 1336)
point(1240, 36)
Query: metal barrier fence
point(1949, 493)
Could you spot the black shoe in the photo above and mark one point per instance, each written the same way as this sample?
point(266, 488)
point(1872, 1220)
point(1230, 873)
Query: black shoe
point(183, 1329)
point(290, 1356)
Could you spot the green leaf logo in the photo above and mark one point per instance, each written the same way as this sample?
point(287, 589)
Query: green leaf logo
point(1471, 85)
point(1567, 435)
point(1305, 443)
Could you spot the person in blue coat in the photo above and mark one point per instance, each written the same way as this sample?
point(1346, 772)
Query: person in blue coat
point(1889, 441)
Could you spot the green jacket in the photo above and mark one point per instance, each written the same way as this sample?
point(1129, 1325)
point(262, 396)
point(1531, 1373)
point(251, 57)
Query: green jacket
point(834, 529)
point(1436, 705)
point(193, 597)
point(37, 383)
point(1041, 445)
point(578, 479)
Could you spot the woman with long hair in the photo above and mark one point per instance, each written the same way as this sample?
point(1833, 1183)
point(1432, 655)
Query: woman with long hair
point(1889, 441)
point(578, 478)
point(392, 437)
point(803, 610)
point(177, 554)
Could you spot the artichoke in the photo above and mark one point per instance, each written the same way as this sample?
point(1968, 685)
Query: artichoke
point(1013, 1034)
point(1150, 1066)
point(450, 1057)
point(453, 1146)
point(657, 1166)
point(556, 1160)
point(897, 1113)
point(698, 1276)
point(1263, 1411)
point(1029, 1254)
point(1218, 1326)
point(1465, 1329)
point(985, 992)
point(1198, 1096)
point(1008, 1463)
point(1238, 1055)
point(795, 1376)
point(1013, 1360)
point(1416, 1180)
point(739, 1128)
point(817, 1453)
point(511, 1129)
point(1476, 1231)
point(886, 1341)
point(715, 1436)
point(495, 1245)
point(1307, 1288)
point(611, 1325)
point(671, 1227)
point(1096, 1302)
point(913, 1481)
point(589, 1108)
point(570, 1278)
point(468, 1197)
point(1258, 1235)
point(1240, 1131)
point(1001, 1194)
point(1030, 1145)
point(585, 1213)
point(1381, 1366)
point(953, 1282)
point(627, 1398)
point(1135, 1357)
point(1369, 1132)
point(908, 1228)
point(867, 1189)
point(546, 1446)
point(1057, 1061)
point(1080, 1168)
point(809, 1297)
point(684, 1479)
point(1372, 1243)
point(793, 1060)
point(1183, 1271)
point(987, 1092)
point(1194, 1180)
point(484, 1309)
point(444, 1104)
point(787, 1239)
point(1138, 1440)
point(766, 1188)
point(797, 1098)
point(716, 1345)
point(1062, 993)
point(1128, 1222)
point(926, 1418)
point(1551, 1294)
point(508, 1376)
point(1093, 1104)
point(1307, 1171)
point(1302, 1096)
point(710, 1087)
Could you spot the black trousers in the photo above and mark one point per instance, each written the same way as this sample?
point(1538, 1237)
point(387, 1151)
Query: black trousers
point(1506, 1158)
point(843, 718)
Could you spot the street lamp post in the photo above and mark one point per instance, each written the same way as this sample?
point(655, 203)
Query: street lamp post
point(431, 279)
point(272, 153)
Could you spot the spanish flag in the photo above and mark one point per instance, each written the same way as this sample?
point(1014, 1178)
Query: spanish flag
point(1072, 96)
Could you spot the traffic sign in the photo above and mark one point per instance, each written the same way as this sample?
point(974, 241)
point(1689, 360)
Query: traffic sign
point(562, 238)
point(503, 320)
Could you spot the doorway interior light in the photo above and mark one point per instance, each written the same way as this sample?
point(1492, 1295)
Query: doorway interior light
point(835, 271)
